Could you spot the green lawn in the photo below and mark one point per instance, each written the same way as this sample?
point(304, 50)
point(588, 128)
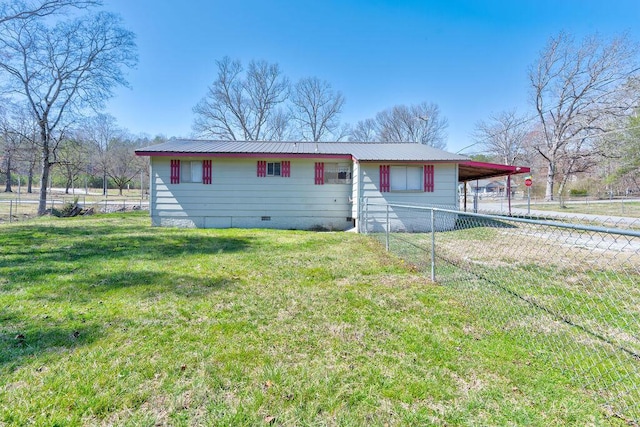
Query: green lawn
point(107, 321)
point(617, 208)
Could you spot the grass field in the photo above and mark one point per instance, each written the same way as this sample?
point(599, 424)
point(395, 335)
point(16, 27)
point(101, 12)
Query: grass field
point(568, 294)
point(107, 321)
point(617, 208)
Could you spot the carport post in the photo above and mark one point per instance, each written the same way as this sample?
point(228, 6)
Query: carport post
point(433, 245)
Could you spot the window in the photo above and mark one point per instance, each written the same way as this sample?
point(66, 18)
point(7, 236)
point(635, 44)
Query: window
point(191, 171)
point(282, 168)
point(406, 178)
point(274, 168)
point(337, 173)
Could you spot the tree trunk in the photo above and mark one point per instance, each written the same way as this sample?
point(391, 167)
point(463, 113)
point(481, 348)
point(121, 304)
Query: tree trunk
point(561, 187)
point(551, 174)
point(30, 181)
point(44, 179)
point(7, 188)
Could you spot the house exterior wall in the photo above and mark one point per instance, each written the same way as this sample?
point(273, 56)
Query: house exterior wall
point(238, 198)
point(374, 210)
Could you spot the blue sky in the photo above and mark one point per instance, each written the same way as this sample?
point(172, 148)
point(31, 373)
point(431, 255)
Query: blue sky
point(469, 57)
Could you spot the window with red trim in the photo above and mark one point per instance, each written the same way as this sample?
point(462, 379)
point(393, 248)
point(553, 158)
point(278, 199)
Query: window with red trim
point(191, 171)
point(282, 169)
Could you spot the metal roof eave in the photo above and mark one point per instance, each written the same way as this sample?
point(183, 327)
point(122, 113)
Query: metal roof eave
point(471, 170)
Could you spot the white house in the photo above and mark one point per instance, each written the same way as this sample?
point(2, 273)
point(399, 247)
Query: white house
point(293, 185)
point(491, 187)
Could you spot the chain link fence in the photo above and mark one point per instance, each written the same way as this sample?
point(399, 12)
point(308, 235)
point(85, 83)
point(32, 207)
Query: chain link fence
point(568, 289)
point(15, 209)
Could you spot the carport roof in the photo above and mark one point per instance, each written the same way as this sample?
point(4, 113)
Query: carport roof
point(470, 170)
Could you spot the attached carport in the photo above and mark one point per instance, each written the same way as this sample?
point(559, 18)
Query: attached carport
point(471, 171)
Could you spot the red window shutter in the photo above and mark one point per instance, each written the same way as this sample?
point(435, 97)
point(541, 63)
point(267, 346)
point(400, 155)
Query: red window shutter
point(286, 169)
point(175, 171)
point(429, 178)
point(262, 168)
point(319, 173)
point(384, 178)
point(206, 171)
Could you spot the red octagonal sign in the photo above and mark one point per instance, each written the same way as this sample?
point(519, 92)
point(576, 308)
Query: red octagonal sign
point(528, 182)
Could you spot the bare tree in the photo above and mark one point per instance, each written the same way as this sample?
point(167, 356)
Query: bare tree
point(62, 68)
point(503, 136)
point(22, 10)
point(625, 147)
point(365, 131)
point(316, 107)
point(17, 133)
point(578, 92)
point(21, 132)
point(420, 123)
point(278, 126)
point(72, 158)
point(239, 105)
point(99, 131)
point(122, 164)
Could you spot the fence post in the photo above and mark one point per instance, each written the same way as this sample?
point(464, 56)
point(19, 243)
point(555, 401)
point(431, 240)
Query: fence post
point(433, 245)
point(10, 211)
point(388, 228)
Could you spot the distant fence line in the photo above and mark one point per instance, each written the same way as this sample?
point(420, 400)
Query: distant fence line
point(567, 288)
point(16, 209)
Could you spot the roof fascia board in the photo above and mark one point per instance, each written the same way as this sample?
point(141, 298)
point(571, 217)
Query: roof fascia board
point(247, 155)
point(404, 162)
point(507, 168)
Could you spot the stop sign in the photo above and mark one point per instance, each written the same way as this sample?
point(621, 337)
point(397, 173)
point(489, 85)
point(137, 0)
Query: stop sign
point(528, 182)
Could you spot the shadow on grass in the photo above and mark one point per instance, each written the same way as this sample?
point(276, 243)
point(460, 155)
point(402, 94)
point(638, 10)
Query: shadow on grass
point(140, 285)
point(31, 254)
point(22, 338)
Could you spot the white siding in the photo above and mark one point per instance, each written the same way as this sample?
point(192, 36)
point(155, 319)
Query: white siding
point(443, 196)
point(355, 193)
point(239, 198)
